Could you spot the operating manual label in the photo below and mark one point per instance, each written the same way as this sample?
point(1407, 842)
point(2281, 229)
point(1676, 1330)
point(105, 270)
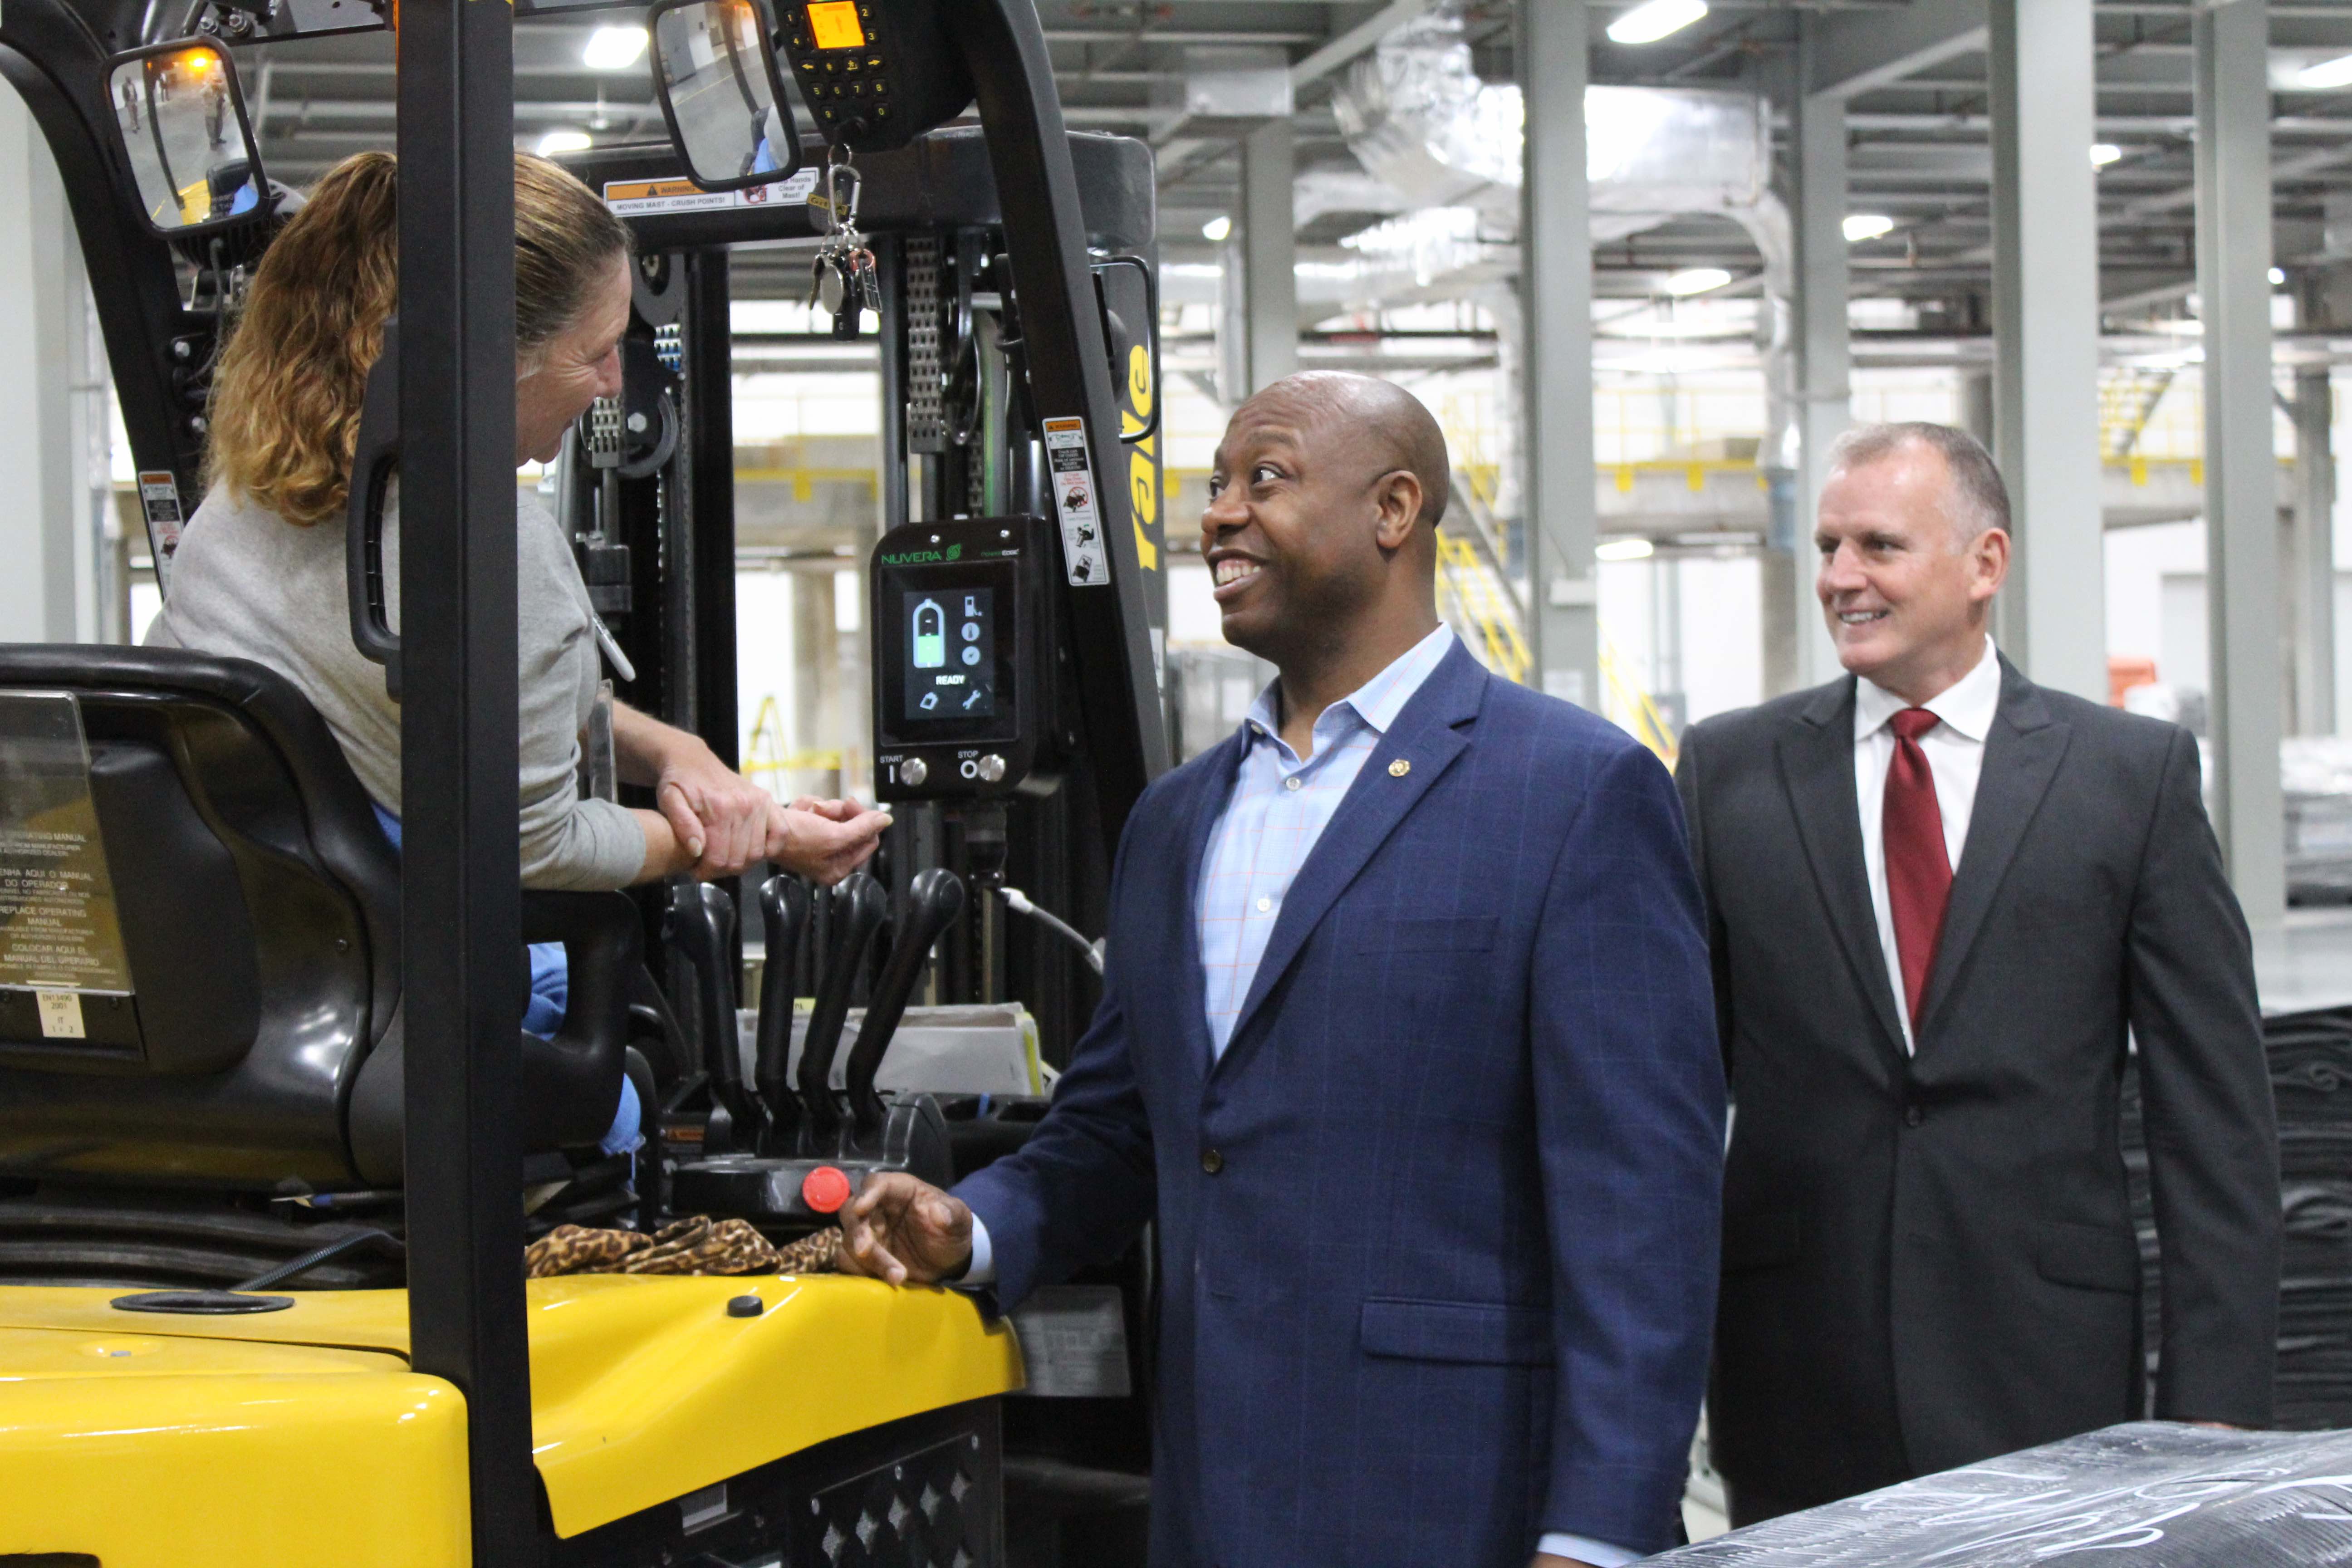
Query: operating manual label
point(637, 198)
point(1083, 554)
point(58, 928)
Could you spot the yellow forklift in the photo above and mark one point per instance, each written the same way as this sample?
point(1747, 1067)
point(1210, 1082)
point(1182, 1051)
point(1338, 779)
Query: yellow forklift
point(272, 1142)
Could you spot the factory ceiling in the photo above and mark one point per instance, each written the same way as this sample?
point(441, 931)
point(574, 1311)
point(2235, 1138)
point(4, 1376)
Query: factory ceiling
point(1917, 119)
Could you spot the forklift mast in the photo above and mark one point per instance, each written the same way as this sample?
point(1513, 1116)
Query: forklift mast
point(1003, 277)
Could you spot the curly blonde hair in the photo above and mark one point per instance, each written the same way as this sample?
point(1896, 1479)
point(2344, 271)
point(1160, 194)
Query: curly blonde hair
point(285, 405)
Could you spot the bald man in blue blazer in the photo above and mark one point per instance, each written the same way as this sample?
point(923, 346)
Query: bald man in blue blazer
point(1407, 1045)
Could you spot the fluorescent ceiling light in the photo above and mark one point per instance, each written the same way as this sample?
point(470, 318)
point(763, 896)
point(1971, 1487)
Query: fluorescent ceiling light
point(556, 142)
point(1217, 228)
point(2336, 72)
point(2104, 154)
point(1866, 226)
point(1624, 549)
point(613, 48)
point(2278, 276)
point(1697, 280)
point(1654, 19)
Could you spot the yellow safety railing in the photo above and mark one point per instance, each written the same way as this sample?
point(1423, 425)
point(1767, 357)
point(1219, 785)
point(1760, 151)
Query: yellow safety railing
point(765, 753)
point(1631, 706)
point(1485, 614)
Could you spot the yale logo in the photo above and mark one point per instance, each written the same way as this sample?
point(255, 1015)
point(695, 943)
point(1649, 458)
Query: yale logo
point(1143, 457)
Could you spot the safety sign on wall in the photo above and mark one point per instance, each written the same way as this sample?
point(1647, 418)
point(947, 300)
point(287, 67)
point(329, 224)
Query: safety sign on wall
point(1083, 554)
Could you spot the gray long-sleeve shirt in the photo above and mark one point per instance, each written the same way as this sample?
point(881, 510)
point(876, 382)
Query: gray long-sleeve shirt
point(248, 584)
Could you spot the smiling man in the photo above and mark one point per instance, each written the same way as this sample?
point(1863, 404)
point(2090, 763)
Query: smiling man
point(1405, 1044)
point(1939, 897)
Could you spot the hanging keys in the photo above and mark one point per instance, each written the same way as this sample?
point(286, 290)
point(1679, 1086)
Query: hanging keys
point(843, 282)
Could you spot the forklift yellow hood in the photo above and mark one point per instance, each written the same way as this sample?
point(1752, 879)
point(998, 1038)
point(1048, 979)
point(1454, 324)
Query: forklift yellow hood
point(643, 1390)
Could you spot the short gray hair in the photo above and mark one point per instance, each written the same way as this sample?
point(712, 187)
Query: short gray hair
point(1978, 500)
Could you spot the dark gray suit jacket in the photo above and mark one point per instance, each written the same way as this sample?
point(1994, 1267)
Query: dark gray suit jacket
point(1929, 1260)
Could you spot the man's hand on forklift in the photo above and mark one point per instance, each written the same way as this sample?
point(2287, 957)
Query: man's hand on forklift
point(903, 1230)
point(823, 840)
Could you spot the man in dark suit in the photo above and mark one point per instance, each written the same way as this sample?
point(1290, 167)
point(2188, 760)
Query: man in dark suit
point(1406, 1044)
point(1939, 897)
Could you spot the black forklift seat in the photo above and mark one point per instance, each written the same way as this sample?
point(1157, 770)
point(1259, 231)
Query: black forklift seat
point(259, 907)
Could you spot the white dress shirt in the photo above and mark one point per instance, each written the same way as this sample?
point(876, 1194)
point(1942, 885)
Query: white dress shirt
point(1955, 752)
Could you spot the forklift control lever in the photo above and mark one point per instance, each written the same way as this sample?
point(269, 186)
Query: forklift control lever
point(859, 908)
point(933, 902)
point(702, 925)
point(784, 905)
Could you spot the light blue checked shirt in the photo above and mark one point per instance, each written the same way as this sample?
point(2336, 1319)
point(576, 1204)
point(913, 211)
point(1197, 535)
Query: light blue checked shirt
point(1279, 808)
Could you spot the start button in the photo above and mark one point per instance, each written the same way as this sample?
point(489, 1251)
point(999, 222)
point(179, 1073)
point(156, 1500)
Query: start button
point(825, 1189)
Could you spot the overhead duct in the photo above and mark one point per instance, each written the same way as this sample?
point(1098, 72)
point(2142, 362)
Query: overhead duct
point(1419, 120)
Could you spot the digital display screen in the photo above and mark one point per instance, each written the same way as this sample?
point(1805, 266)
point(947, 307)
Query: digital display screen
point(949, 637)
point(834, 25)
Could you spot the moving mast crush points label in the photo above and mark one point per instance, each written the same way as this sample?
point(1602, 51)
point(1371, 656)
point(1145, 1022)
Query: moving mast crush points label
point(1083, 552)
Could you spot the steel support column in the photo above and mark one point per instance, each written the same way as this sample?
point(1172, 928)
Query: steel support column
point(2315, 553)
point(49, 590)
point(461, 919)
point(1824, 358)
point(2241, 525)
point(1268, 253)
point(1556, 300)
point(2045, 288)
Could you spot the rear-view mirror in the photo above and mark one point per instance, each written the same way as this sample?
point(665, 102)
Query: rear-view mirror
point(722, 92)
point(181, 120)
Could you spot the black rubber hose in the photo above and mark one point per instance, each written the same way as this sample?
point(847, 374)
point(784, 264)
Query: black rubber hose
point(859, 908)
point(933, 904)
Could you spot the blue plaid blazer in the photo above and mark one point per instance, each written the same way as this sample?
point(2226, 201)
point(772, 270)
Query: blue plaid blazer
point(1438, 1235)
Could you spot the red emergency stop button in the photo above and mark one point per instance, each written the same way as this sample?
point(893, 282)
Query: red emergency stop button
point(825, 1189)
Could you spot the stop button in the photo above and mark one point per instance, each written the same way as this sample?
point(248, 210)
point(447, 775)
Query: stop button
point(825, 1189)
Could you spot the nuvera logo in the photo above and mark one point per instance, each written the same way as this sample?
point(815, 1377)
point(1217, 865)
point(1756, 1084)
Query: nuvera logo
point(924, 557)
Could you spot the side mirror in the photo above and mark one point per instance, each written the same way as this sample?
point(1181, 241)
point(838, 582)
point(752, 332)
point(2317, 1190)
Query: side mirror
point(722, 92)
point(182, 119)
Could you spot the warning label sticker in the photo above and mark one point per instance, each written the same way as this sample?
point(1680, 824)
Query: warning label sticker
point(159, 494)
point(1083, 554)
point(637, 198)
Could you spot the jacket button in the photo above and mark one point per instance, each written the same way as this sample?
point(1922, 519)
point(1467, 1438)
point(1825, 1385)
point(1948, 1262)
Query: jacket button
point(1913, 1116)
point(1211, 1162)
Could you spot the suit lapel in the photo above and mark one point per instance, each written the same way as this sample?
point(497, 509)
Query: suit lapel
point(1817, 765)
point(2022, 751)
point(1424, 738)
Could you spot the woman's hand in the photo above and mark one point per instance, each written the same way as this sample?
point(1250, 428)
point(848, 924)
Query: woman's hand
point(721, 818)
point(823, 840)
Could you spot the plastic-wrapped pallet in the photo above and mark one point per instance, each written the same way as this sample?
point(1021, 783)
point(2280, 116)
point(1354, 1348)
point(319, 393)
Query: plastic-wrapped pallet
point(2144, 1495)
point(2311, 1077)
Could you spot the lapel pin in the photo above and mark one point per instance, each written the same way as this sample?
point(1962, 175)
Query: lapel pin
point(1398, 768)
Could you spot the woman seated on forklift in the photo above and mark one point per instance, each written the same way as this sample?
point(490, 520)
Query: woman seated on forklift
point(259, 573)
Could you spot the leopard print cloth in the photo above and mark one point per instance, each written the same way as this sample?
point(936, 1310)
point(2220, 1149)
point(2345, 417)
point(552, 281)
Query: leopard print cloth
point(697, 1244)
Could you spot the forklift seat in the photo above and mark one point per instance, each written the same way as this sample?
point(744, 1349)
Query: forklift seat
point(259, 907)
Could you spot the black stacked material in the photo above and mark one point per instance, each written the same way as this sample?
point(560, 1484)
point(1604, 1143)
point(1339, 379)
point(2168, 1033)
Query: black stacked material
point(2311, 1074)
point(2145, 1495)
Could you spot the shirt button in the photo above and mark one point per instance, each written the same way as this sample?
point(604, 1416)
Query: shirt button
point(1263, 905)
point(1211, 1162)
point(1913, 1116)
point(1290, 783)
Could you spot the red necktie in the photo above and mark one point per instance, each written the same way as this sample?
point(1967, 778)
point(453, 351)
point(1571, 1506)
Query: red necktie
point(1918, 872)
